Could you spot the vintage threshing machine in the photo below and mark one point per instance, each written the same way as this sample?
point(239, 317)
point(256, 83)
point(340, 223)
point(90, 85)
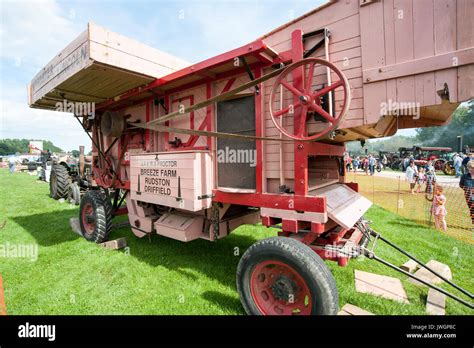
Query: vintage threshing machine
point(257, 134)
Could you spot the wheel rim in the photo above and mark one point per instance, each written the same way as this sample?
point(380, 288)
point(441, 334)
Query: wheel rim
point(88, 218)
point(308, 99)
point(278, 289)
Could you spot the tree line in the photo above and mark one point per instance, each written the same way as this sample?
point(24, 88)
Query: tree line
point(13, 146)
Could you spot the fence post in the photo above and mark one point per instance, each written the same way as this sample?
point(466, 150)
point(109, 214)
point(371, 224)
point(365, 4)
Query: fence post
point(398, 194)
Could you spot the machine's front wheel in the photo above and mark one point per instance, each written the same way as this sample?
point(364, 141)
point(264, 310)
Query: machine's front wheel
point(282, 276)
point(95, 216)
point(59, 182)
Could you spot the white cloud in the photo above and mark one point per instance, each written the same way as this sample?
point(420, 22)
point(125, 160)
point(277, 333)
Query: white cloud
point(34, 32)
point(31, 34)
point(19, 121)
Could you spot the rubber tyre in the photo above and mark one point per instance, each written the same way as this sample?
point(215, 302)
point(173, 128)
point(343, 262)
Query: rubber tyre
point(75, 194)
point(59, 182)
point(100, 211)
point(449, 169)
point(318, 277)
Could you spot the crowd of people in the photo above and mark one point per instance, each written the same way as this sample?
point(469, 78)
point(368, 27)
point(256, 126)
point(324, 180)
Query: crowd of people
point(460, 161)
point(368, 163)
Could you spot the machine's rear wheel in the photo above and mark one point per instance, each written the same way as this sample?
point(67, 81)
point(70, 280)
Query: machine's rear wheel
point(282, 276)
point(59, 182)
point(95, 216)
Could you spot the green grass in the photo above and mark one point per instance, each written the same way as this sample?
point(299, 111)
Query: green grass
point(73, 276)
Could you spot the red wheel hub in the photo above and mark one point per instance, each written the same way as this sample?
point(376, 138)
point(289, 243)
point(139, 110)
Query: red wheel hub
point(277, 289)
point(294, 94)
point(88, 218)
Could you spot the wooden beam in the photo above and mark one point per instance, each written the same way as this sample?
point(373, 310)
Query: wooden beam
point(418, 66)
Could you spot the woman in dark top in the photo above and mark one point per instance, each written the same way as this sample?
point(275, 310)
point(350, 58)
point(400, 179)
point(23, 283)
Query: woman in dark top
point(467, 184)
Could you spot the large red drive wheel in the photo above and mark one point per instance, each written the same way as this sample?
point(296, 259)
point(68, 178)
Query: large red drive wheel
point(282, 276)
point(298, 80)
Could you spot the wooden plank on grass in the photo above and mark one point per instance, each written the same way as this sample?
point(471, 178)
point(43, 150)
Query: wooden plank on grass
point(115, 244)
point(409, 266)
point(349, 309)
point(435, 303)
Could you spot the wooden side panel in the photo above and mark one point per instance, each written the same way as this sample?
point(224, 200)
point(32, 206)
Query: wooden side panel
point(192, 120)
point(404, 47)
point(423, 43)
point(97, 65)
point(423, 31)
point(445, 41)
point(70, 61)
point(465, 39)
point(173, 179)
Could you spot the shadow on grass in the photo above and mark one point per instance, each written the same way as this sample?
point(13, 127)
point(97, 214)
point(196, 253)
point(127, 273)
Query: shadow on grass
point(224, 301)
point(49, 228)
point(409, 223)
point(216, 260)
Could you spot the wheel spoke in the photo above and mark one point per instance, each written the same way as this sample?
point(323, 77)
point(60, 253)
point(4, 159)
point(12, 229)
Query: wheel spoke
point(302, 124)
point(309, 79)
point(327, 89)
point(286, 110)
point(291, 88)
point(322, 112)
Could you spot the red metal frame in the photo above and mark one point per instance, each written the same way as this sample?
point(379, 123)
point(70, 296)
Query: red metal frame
point(301, 155)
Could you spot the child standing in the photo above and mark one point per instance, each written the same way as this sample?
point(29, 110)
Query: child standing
point(439, 208)
point(411, 175)
point(421, 179)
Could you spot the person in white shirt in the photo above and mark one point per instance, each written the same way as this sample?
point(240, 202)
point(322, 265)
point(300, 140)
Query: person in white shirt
point(412, 175)
point(457, 161)
point(12, 164)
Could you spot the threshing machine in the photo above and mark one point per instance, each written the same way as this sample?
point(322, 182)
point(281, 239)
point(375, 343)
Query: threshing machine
point(256, 134)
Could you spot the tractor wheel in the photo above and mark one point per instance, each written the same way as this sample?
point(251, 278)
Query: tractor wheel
point(75, 194)
point(95, 216)
point(449, 169)
point(282, 276)
point(59, 182)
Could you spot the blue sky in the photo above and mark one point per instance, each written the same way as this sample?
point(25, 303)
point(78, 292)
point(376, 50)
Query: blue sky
point(33, 32)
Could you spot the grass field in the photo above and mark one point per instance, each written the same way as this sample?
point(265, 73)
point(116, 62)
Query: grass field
point(163, 276)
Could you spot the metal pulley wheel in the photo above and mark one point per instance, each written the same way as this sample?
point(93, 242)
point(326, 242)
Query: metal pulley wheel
point(112, 124)
point(297, 81)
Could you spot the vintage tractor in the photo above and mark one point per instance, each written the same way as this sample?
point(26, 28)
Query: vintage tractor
point(255, 134)
point(70, 178)
point(421, 155)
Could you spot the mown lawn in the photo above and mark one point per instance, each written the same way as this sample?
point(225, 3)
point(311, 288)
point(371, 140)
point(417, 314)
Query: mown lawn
point(163, 276)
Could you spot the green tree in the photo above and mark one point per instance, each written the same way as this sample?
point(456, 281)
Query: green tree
point(462, 124)
point(11, 146)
